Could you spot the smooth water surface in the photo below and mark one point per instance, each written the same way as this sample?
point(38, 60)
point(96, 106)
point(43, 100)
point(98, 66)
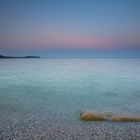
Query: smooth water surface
point(58, 89)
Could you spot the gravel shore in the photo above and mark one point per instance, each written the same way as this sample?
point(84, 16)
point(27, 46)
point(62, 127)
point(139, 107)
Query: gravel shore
point(34, 130)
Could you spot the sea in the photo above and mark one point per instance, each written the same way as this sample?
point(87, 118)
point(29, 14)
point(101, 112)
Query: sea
point(57, 90)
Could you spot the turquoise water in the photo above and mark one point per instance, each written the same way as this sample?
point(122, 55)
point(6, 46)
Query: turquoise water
point(58, 89)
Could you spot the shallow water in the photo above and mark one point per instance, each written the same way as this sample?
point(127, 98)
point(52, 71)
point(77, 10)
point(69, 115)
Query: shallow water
point(58, 89)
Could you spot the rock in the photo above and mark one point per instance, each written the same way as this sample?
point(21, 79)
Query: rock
point(94, 116)
point(126, 118)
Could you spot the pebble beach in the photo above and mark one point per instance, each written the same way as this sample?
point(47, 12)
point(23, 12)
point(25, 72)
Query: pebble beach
point(34, 130)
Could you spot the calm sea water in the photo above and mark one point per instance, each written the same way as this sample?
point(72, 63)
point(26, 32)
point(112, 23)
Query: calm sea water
point(58, 89)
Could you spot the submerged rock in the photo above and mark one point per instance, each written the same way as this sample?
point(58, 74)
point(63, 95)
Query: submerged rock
point(94, 116)
point(126, 118)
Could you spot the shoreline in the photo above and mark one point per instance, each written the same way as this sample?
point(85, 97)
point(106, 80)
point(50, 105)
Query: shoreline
point(36, 130)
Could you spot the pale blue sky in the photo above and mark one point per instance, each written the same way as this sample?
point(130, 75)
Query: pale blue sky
point(29, 24)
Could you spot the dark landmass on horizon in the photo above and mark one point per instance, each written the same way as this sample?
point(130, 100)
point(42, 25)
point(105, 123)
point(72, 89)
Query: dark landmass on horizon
point(14, 57)
point(69, 57)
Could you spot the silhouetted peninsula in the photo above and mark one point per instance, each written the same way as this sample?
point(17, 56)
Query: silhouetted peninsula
point(13, 57)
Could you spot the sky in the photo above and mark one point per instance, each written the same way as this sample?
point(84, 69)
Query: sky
point(34, 27)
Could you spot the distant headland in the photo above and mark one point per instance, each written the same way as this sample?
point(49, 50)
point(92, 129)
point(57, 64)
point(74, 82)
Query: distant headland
point(14, 57)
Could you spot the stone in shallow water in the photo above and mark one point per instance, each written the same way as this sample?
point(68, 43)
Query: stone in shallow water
point(126, 118)
point(94, 116)
point(91, 117)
